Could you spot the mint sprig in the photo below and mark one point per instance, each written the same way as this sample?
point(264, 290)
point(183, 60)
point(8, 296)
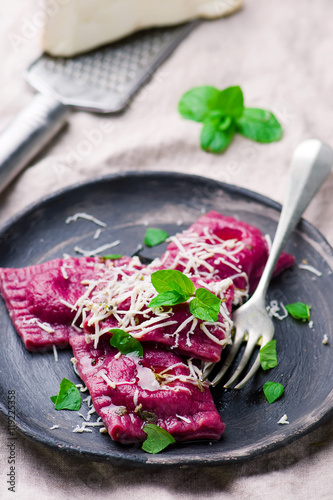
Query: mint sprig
point(68, 397)
point(176, 288)
point(157, 439)
point(125, 343)
point(299, 310)
point(222, 113)
point(112, 256)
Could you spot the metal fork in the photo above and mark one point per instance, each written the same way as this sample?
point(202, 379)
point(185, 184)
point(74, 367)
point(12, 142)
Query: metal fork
point(310, 166)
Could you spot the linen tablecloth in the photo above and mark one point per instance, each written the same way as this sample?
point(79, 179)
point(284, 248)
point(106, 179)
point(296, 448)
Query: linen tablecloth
point(281, 55)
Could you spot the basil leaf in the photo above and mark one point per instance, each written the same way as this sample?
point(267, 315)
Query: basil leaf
point(68, 397)
point(155, 236)
point(259, 125)
point(170, 298)
point(125, 343)
point(205, 306)
point(231, 102)
point(273, 391)
point(113, 256)
point(214, 137)
point(299, 310)
point(208, 299)
point(197, 103)
point(201, 311)
point(157, 438)
point(268, 356)
point(170, 280)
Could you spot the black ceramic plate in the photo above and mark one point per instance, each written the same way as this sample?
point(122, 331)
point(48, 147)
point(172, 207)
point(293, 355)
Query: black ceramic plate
point(172, 202)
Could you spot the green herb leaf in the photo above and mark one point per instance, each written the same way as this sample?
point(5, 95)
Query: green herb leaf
point(215, 137)
point(231, 102)
point(273, 391)
point(170, 280)
point(125, 343)
point(155, 236)
point(205, 305)
point(268, 356)
point(198, 103)
point(222, 113)
point(259, 125)
point(113, 256)
point(157, 439)
point(170, 298)
point(299, 310)
point(68, 397)
point(200, 311)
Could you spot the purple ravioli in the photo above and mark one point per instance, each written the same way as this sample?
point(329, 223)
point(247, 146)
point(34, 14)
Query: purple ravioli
point(128, 392)
point(34, 296)
point(173, 327)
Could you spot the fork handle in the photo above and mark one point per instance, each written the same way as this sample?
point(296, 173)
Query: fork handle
point(310, 166)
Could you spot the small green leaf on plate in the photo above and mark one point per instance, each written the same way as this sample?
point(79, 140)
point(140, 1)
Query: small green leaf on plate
point(68, 397)
point(125, 343)
point(299, 310)
point(113, 256)
point(155, 236)
point(273, 391)
point(268, 356)
point(259, 125)
point(157, 439)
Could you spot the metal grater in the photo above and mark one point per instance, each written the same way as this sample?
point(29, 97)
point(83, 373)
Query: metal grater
point(103, 80)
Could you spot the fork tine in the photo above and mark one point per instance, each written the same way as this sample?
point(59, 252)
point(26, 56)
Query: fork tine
point(208, 370)
point(243, 362)
point(239, 337)
point(250, 374)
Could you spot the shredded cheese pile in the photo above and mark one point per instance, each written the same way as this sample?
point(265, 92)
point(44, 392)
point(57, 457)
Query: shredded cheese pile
point(125, 292)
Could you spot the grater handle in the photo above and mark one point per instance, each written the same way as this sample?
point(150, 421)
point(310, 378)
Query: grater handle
point(28, 133)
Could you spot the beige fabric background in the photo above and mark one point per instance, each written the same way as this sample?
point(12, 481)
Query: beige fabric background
point(280, 52)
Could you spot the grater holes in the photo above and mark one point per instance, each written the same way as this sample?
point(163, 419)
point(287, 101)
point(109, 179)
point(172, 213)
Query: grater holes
point(114, 69)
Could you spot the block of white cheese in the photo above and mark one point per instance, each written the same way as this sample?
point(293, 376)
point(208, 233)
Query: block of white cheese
point(75, 26)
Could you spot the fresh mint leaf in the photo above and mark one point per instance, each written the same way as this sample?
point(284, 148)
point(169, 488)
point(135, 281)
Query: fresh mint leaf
point(273, 391)
point(223, 113)
point(198, 103)
point(299, 310)
point(231, 102)
point(268, 356)
point(170, 280)
point(259, 125)
point(155, 236)
point(157, 439)
point(125, 343)
point(200, 311)
point(215, 137)
point(205, 305)
point(209, 299)
point(68, 397)
point(170, 298)
point(113, 256)
point(175, 287)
